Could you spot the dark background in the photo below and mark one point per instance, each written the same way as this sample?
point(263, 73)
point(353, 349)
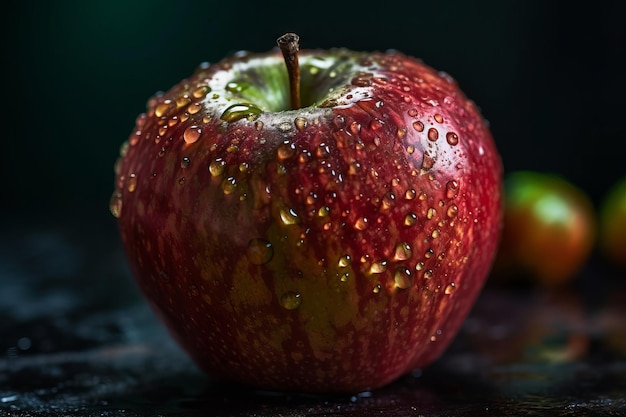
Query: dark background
point(547, 75)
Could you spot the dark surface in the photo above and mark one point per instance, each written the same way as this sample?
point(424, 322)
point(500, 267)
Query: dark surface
point(79, 340)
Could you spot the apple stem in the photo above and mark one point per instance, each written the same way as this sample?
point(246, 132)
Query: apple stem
point(289, 45)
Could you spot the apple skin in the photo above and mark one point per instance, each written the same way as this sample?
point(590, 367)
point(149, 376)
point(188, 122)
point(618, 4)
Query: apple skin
point(548, 229)
point(330, 248)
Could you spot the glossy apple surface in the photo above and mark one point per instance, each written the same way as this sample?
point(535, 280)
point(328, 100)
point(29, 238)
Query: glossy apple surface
point(330, 248)
point(548, 231)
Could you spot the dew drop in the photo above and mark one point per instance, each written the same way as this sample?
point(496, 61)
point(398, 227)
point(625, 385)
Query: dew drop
point(431, 213)
point(288, 216)
point(410, 194)
point(192, 134)
point(339, 121)
point(132, 183)
point(453, 210)
point(428, 274)
point(427, 162)
point(163, 108)
point(418, 126)
point(185, 162)
point(201, 91)
point(388, 201)
point(403, 251)
point(361, 223)
point(376, 289)
point(419, 266)
point(378, 267)
point(323, 211)
point(435, 234)
point(182, 101)
point(258, 125)
point(229, 185)
point(217, 167)
point(344, 261)
point(450, 288)
point(429, 253)
point(259, 251)
point(286, 150)
point(439, 118)
point(291, 300)
point(194, 108)
point(402, 278)
point(433, 134)
point(240, 111)
point(301, 123)
point(115, 204)
point(452, 189)
point(452, 138)
point(344, 277)
point(410, 219)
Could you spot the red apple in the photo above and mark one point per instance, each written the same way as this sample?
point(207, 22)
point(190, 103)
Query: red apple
point(327, 246)
point(548, 230)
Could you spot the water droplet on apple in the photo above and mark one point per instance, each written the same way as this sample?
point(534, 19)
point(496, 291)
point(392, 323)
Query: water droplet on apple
point(185, 162)
point(229, 185)
point(286, 150)
point(323, 211)
point(388, 201)
point(132, 183)
point(284, 127)
point(376, 289)
point(344, 277)
point(450, 288)
point(452, 189)
point(361, 223)
point(403, 251)
point(344, 261)
point(410, 194)
point(181, 180)
point(163, 109)
point(339, 121)
point(431, 213)
point(376, 125)
point(192, 134)
point(259, 251)
point(419, 266)
point(452, 138)
point(402, 278)
point(435, 234)
point(418, 126)
point(433, 134)
point(428, 274)
point(301, 123)
point(291, 300)
point(194, 108)
point(378, 267)
point(115, 204)
point(240, 111)
point(453, 210)
point(217, 167)
point(439, 118)
point(427, 162)
point(288, 216)
point(201, 91)
point(410, 219)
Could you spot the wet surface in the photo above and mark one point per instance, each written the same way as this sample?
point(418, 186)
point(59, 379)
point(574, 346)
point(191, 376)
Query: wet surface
point(77, 339)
